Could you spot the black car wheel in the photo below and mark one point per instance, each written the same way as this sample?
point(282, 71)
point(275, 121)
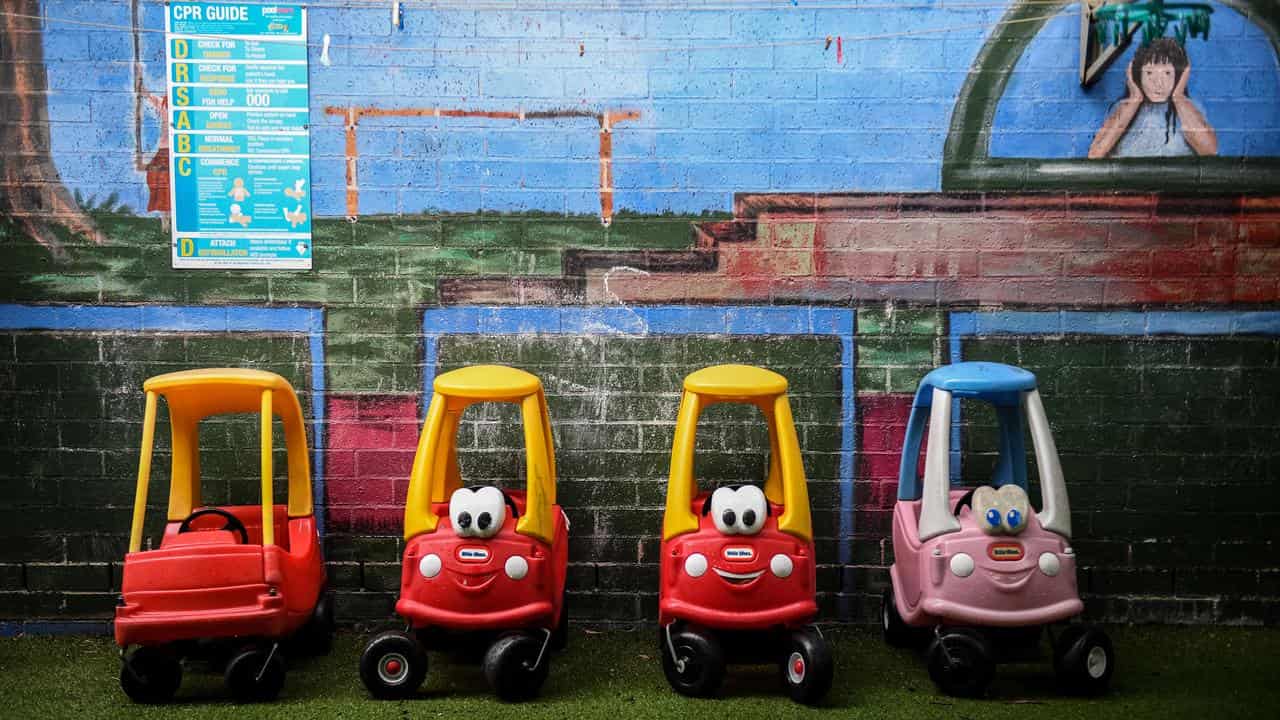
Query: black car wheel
point(1084, 659)
point(516, 665)
point(960, 663)
point(150, 675)
point(807, 667)
point(256, 674)
point(896, 631)
point(393, 665)
point(316, 637)
point(698, 667)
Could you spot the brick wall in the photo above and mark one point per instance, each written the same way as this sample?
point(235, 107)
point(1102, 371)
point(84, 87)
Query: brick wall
point(752, 186)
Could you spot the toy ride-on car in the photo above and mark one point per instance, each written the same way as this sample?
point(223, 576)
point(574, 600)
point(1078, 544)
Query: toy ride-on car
point(228, 583)
point(483, 566)
point(738, 577)
point(979, 574)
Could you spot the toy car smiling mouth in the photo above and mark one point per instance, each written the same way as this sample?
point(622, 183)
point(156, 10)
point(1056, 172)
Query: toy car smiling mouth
point(734, 578)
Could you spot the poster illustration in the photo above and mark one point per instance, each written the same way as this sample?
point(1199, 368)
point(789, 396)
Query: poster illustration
point(238, 136)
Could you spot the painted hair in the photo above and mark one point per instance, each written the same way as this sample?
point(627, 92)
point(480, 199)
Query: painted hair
point(1162, 50)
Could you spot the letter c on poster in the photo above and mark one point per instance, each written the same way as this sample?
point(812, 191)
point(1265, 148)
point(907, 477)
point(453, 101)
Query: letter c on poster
point(184, 166)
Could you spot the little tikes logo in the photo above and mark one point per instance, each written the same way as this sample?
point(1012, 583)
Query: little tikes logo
point(1004, 551)
point(473, 554)
point(739, 554)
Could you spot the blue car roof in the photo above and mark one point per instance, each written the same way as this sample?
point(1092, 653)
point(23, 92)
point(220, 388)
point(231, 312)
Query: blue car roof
point(993, 382)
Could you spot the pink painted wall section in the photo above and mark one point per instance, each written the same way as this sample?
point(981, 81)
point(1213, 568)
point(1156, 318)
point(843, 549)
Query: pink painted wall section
point(882, 423)
point(371, 443)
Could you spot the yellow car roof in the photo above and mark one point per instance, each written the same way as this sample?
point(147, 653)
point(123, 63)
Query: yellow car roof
point(487, 382)
point(736, 381)
point(200, 393)
point(206, 377)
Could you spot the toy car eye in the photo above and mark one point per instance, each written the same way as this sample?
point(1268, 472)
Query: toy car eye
point(1014, 518)
point(461, 515)
point(752, 509)
point(1016, 505)
point(723, 510)
point(490, 511)
point(993, 517)
point(986, 505)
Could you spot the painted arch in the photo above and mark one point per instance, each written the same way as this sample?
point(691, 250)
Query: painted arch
point(969, 165)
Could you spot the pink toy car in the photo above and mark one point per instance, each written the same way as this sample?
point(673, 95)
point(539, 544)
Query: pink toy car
point(979, 574)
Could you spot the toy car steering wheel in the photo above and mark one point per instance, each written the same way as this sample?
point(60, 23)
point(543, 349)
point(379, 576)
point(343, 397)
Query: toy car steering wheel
point(233, 523)
point(511, 504)
point(966, 499)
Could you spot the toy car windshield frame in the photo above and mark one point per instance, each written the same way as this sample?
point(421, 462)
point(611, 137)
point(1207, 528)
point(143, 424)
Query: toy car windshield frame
point(194, 395)
point(785, 483)
point(435, 474)
point(1013, 392)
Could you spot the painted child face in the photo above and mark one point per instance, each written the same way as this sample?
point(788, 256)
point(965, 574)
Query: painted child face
point(1157, 81)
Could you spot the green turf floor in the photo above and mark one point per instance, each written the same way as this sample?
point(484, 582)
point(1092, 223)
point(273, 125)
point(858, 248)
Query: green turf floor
point(1205, 673)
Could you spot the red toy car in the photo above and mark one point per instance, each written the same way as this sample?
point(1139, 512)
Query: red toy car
point(482, 566)
point(238, 586)
point(759, 600)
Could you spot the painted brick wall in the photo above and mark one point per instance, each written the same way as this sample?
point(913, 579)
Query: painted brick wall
point(756, 186)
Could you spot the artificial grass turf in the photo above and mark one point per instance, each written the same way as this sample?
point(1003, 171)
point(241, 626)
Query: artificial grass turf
point(1181, 672)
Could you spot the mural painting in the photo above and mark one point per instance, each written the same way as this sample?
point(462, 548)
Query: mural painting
point(614, 198)
point(1157, 117)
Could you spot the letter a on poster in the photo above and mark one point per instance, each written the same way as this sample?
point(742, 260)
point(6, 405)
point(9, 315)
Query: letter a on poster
point(239, 147)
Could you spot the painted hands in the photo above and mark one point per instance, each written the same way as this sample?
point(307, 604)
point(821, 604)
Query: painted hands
point(1135, 92)
point(1180, 90)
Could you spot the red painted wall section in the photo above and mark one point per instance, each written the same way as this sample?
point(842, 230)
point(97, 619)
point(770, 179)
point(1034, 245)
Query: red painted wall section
point(882, 424)
point(1041, 249)
point(371, 443)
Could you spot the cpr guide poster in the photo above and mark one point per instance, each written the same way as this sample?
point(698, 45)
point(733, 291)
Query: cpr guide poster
point(239, 144)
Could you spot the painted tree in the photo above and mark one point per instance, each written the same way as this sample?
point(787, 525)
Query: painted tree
point(31, 190)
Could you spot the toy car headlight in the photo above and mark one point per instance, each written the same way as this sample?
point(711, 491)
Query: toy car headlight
point(695, 565)
point(781, 565)
point(430, 565)
point(516, 567)
point(962, 565)
point(1050, 564)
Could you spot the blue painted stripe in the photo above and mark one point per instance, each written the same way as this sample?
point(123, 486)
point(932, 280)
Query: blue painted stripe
point(672, 320)
point(606, 320)
point(318, 447)
point(70, 317)
point(429, 351)
point(184, 319)
point(1104, 323)
point(831, 321)
point(1116, 323)
point(685, 319)
point(1256, 323)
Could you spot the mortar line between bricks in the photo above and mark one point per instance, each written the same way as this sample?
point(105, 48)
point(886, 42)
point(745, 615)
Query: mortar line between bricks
point(673, 320)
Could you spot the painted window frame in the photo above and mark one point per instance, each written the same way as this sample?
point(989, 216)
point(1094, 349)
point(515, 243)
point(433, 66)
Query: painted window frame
point(967, 163)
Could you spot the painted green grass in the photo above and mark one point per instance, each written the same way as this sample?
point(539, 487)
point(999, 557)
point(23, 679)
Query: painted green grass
point(1211, 673)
